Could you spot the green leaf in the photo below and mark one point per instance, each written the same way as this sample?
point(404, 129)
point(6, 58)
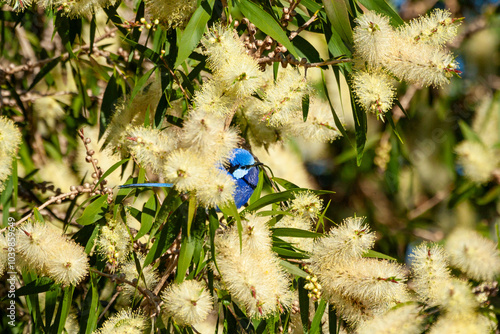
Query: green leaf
point(185, 255)
point(289, 253)
point(332, 320)
point(191, 36)
point(63, 311)
point(294, 232)
point(258, 190)
point(377, 255)
point(280, 197)
point(360, 125)
point(111, 170)
point(468, 133)
point(44, 71)
point(293, 269)
point(382, 6)
point(147, 216)
point(304, 304)
point(285, 184)
point(90, 308)
point(265, 22)
point(305, 107)
point(39, 285)
point(230, 209)
point(336, 11)
point(316, 323)
point(95, 211)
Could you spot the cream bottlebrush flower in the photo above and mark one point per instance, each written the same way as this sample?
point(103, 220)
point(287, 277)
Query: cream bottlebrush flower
point(402, 320)
point(252, 276)
point(421, 64)
point(171, 13)
point(186, 169)
point(368, 280)
point(346, 242)
point(10, 138)
point(373, 37)
point(4, 250)
point(477, 160)
point(430, 269)
point(486, 120)
point(473, 254)
point(374, 91)
point(150, 147)
point(46, 251)
point(307, 204)
point(68, 263)
point(205, 133)
point(456, 298)
point(35, 242)
point(114, 243)
point(466, 324)
point(124, 322)
point(255, 234)
point(437, 28)
point(80, 8)
point(319, 126)
point(216, 190)
point(147, 278)
point(188, 303)
point(283, 99)
point(132, 113)
point(47, 111)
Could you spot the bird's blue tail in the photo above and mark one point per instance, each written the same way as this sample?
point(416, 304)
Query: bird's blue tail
point(158, 185)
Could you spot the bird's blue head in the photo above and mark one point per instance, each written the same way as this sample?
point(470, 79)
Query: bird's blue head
point(243, 168)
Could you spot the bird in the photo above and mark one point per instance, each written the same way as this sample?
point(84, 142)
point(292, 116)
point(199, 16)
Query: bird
point(242, 167)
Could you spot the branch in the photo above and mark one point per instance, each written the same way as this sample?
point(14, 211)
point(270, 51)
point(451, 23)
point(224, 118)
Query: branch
point(154, 300)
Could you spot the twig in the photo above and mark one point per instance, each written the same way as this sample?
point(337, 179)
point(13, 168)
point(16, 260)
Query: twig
point(154, 300)
point(64, 56)
point(47, 203)
point(429, 204)
point(304, 26)
point(111, 301)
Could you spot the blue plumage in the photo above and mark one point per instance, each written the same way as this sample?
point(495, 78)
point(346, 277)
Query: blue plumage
point(242, 168)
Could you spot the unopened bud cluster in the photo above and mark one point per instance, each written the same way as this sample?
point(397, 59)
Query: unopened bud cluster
point(313, 286)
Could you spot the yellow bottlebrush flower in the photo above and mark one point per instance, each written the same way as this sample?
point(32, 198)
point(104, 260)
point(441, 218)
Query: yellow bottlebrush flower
point(216, 190)
point(35, 242)
point(436, 28)
point(10, 138)
point(373, 37)
point(212, 98)
point(124, 322)
point(307, 204)
point(147, 278)
point(401, 320)
point(430, 268)
point(185, 169)
point(477, 160)
point(348, 241)
point(172, 13)
point(222, 45)
point(150, 147)
point(113, 243)
point(188, 303)
point(252, 275)
point(68, 263)
point(132, 113)
point(374, 91)
point(473, 254)
point(319, 126)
